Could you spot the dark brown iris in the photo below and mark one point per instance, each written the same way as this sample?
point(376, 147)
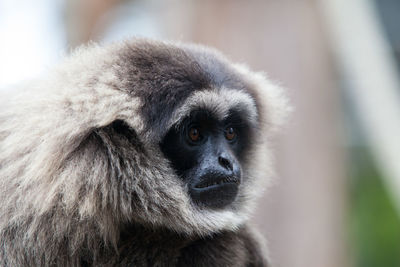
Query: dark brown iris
point(230, 133)
point(194, 134)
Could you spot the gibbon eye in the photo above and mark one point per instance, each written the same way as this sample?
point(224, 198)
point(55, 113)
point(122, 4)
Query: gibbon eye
point(230, 133)
point(194, 134)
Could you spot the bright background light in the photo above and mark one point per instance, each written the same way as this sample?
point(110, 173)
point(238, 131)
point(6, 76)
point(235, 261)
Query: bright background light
point(32, 38)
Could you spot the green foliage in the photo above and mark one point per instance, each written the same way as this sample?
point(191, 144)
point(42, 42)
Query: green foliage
point(374, 223)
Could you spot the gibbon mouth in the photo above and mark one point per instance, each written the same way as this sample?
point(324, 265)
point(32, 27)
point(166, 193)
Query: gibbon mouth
point(216, 182)
point(215, 192)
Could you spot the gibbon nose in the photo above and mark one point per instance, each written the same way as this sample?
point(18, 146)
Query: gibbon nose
point(225, 162)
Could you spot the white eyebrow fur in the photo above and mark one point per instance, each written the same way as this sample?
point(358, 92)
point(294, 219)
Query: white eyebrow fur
point(219, 103)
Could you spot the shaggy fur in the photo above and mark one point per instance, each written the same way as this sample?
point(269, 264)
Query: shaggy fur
point(83, 181)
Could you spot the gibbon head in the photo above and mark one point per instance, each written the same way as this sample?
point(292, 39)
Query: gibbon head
point(145, 132)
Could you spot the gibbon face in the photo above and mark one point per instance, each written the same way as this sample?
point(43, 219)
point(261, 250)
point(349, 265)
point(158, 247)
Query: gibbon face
point(206, 152)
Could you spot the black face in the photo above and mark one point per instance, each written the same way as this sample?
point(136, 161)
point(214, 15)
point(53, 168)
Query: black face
point(206, 154)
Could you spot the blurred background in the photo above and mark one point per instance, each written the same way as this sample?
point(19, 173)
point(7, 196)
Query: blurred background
point(336, 199)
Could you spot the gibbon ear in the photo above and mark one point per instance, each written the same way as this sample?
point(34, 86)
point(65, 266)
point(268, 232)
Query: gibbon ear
point(119, 134)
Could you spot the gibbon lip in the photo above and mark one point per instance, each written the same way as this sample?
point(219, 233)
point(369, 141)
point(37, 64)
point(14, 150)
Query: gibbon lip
point(217, 181)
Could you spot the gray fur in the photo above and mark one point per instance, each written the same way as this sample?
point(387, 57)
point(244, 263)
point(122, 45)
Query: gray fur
point(75, 191)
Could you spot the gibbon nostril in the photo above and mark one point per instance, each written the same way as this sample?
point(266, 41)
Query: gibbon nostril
point(225, 163)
